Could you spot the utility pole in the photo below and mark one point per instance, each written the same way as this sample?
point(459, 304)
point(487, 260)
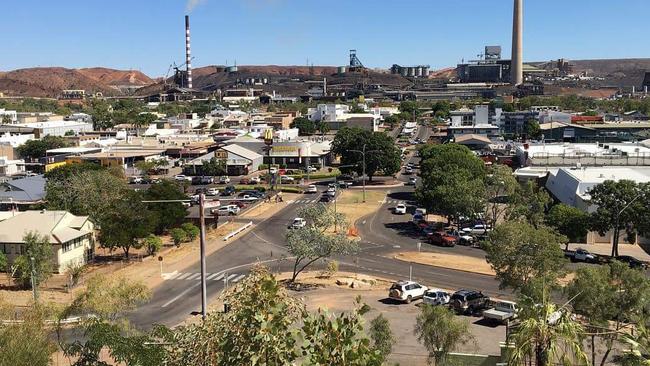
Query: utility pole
point(363, 156)
point(33, 280)
point(204, 300)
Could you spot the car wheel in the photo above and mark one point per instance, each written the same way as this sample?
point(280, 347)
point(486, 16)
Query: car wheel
point(409, 299)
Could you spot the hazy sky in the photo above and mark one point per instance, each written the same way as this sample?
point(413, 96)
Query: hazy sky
point(148, 34)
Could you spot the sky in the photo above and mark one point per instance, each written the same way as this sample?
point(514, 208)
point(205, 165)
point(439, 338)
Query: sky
point(148, 35)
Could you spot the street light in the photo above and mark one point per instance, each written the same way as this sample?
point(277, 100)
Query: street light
point(363, 154)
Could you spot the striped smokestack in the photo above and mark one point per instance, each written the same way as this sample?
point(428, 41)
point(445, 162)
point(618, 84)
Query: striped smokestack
point(188, 54)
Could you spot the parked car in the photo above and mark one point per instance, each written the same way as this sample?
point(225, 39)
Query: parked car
point(478, 229)
point(286, 179)
point(581, 255)
point(325, 198)
point(226, 210)
point(443, 239)
point(311, 189)
point(312, 169)
point(408, 170)
point(345, 184)
point(468, 301)
point(400, 209)
point(245, 181)
point(182, 178)
point(632, 262)
point(298, 223)
point(436, 297)
point(256, 180)
point(406, 291)
point(421, 211)
point(253, 193)
point(228, 191)
point(503, 311)
point(412, 181)
point(135, 180)
point(224, 179)
point(466, 240)
point(331, 193)
point(240, 204)
point(212, 191)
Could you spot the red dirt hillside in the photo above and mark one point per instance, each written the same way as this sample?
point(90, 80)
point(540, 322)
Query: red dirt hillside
point(116, 77)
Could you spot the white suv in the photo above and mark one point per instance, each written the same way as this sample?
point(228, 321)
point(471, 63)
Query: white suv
point(436, 297)
point(406, 291)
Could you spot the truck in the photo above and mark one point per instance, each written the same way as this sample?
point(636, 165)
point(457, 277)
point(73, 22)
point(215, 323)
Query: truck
point(581, 255)
point(503, 312)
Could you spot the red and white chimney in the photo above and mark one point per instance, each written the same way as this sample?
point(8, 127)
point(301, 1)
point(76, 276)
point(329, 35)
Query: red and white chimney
point(188, 53)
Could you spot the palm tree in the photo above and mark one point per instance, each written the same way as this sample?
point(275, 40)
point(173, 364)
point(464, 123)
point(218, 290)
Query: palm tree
point(639, 352)
point(549, 334)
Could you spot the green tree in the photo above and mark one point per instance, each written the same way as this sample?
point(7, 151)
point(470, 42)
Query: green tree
point(618, 208)
point(524, 257)
point(638, 353)
point(409, 107)
point(29, 342)
point(569, 221)
point(356, 108)
point(323, 127)
point(381, 335)
point(35, 149)
point(383, 155)
point(500, 183)
point(453, 181)
point(214, 167)
point(304, 126)
point(533, 131)
point(66, 171)
point(35, 262)
point(153, 244)
point(101, 115)
point(144, 119)
point(529, 203)
point(313, 241)
point(258, 329)
point(168, 214)
point(126, 223)
point(4, 263)
point(440, 332)
point(391, 120)
point(178, 236)
point(609, 296)
point(191, 230)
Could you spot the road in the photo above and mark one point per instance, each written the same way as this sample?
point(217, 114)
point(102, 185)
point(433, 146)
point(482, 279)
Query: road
point(179, 295)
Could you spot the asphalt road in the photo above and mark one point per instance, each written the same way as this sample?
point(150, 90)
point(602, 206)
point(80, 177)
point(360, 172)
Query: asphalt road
point(382, 234)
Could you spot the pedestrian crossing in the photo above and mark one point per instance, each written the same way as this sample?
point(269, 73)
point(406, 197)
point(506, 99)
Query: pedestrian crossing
point(303, 201)
point(194, 276)
point(393, 202)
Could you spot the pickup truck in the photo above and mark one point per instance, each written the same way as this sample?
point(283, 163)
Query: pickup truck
point(581, 255)
point(502, 312)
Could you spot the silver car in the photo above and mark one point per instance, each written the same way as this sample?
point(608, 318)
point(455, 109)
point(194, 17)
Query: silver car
point(436, 297)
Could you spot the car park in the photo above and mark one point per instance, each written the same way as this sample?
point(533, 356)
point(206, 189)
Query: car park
point(400, 209)
point(436, 297)
point(311, 189)
point(298, 223)
point(406, 291)
point(469, 302)
point(224, 179)
point(212, 191)
point(226, 210)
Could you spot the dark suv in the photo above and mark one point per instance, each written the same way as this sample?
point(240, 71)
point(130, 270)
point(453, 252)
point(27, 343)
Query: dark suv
point(468, 302)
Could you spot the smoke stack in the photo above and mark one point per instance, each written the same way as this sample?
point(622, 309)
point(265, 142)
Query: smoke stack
point(188, 57)
point(517, 64)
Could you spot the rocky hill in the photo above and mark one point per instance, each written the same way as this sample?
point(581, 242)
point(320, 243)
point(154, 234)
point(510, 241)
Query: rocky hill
point(50, 81)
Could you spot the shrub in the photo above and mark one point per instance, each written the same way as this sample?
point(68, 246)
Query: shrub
point(191, 230)
point(178, 236)
point(153, 244)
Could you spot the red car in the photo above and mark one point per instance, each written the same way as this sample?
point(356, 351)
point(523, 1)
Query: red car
point(443, 239)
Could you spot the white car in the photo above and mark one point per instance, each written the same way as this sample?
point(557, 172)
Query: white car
point(331, 192)
point(286, 179)
point(400, 209)
point(256, 180)
point(436, 297)
point(406, 291)
point(311, 189)
point(478, 229)
point(408, 170)
point(311, 169)
point(224, 179)
point(226, 210)
point(182, 178)
point(135, 180)
point(412, 181)
point(212, 192)
point(298, 223)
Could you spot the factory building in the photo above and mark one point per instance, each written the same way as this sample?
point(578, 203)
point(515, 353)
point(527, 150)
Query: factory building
point(418, 71)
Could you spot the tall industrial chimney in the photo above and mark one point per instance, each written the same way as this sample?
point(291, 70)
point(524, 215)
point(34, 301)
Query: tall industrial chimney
point(517, 64)
point(188, 57)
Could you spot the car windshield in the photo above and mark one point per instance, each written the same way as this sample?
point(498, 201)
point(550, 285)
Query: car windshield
point(458, 297)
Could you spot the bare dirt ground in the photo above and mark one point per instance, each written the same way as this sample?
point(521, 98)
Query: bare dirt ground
point(350, 203)
point(452, 261)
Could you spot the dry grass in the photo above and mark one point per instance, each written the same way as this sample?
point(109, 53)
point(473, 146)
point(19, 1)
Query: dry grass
point(452, 261)
point(350, 203)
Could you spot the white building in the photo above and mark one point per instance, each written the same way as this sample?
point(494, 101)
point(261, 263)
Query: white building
point(15, 140)
point(587, 154)
point(327, 112)
point(476, 122)
point(10, 167)
point(12, 115)
point(72, 237)
point(57, 128)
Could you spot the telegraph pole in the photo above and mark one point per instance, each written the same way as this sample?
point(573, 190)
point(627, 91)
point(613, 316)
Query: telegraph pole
point(204, 300)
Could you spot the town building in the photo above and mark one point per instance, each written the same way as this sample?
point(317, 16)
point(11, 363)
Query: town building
point(9, 167)
point(22, 192)
point(238, 161)
point(55, 128)
point(72, 237)
point(583, 154)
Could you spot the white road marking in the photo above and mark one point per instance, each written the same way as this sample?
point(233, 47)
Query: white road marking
point(168, 276)
point(181, 277)
point(211, 276)
point(218, 277)
point(180, 295)
point(232, 276)
point(193, 277)
point(238, 278)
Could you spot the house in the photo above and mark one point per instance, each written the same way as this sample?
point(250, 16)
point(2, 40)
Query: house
point(239, 160)
point(473, 142)
point(22, 192)
point(72, 237)
point(9, 167)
